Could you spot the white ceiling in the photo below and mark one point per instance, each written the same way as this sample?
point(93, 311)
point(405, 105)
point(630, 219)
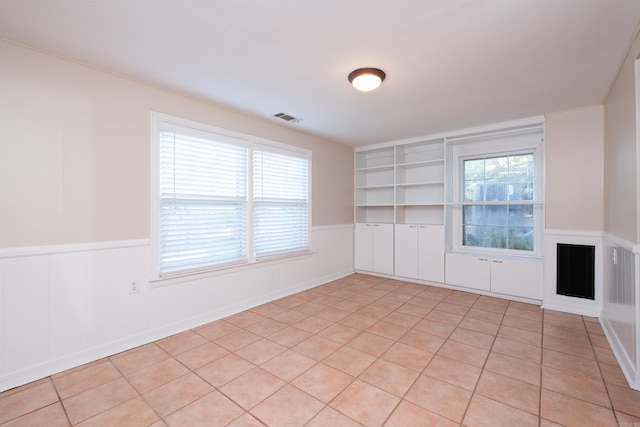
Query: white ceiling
point(450, 64)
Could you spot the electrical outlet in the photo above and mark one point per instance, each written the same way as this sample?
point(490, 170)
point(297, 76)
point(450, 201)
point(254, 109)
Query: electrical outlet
point(134, 287)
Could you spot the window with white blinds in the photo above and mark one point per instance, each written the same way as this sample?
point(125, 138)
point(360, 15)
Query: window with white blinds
point(223, 199)
point(280, 202)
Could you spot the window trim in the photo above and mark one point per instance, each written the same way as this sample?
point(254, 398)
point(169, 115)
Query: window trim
point(159, 121)
point(509, 142)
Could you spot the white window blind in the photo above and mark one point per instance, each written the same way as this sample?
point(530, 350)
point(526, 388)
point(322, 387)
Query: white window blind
point(280, 202)
point(203, 207)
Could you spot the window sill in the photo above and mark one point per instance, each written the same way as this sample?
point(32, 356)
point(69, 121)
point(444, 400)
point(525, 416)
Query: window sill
point(158, 282)
point(498, 255)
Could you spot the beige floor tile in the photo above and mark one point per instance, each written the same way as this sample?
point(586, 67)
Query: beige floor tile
point(583, 388)
point(290, 336)
point(92, 402)
point(313, 324)
point(245, 319)
point(179, 343)
point(407, 414)
point(412, 309)
point(444, 317)
point(134, 412)
point(510, 391)
point(520, 335)
point(329, 417)
point(525, 313)
point(252, 388)
point(199, 356)
point(49, 416)
point(625, 399)
point(453, 372)
point(569, 411)
point(464, 353)
point(154, 376)
point(216, 330)
point(491, 304)
point(472, 338)
point(515, 368)
point(323, 382)
point(237, 340)
point(478, 325)
point(288, 365)
point(177, 394)
point(433, 327)
point(478, 313)
point(452, 308)
point(246, 420)
point(387, 330)
point(213, 410)
point(317, 347)
point(612, 374)
point(225, 369)
point(462, 298)
point(402, 319)
point(290, 317)
point(139, 358)
point(568, 363)
point(569, 334)
point(526, 352)
point(350, 361)
point(534, 326)
point(340, 333)
point(486, 412)
point(365, 403)
point(269, 309)
point(440, 397)
point(266, 327)
point(390, 377)
point(85, 379)
point(371, 344)
point(260, 351)
point(381, 351)
point(563, 346)
point(288, 407)
point(358, 321)
point(423, 341)
point(408, 356)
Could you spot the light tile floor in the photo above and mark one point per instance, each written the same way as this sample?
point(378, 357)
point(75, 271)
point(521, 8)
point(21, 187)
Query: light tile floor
point(359, 351)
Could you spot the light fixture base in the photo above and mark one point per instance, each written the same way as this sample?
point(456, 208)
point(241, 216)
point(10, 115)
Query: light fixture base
point(366, 79)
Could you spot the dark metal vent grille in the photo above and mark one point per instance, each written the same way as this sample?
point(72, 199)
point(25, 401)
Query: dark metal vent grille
point(287, 117)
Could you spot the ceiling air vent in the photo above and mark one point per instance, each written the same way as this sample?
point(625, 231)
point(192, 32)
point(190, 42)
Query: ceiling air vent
point(287, 118)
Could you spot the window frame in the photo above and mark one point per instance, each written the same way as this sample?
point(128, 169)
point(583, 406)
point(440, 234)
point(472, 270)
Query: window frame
point(514, 142)
point(161, 121)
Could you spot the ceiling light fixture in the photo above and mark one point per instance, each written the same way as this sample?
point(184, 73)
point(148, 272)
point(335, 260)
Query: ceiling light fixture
point(366, 79)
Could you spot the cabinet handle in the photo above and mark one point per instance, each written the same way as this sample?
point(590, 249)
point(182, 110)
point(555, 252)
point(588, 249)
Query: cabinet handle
point(367, 225)
point(376, 225)
point(412, 226)
point(424, 226)
point(483, 259)
point(497, 261)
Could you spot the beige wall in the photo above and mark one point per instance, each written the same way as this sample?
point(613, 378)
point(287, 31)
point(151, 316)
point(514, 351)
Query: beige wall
point(75, 152)
point(620, 153)
point(574, 170)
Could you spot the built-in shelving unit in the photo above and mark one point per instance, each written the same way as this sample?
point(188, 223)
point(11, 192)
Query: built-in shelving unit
point(402, 184)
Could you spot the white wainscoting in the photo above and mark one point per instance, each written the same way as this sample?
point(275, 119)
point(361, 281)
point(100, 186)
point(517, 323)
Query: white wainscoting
point(620, 317)
point(553, 301)
point(65, 305)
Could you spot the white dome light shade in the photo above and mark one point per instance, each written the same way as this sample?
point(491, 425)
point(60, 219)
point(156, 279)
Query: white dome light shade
point(366, 79)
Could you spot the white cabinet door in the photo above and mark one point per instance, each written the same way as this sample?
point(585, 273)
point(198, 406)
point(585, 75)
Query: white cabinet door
point(517, 278)
point(468, 271)
point(431, 253)
point(382, 248)
point(406, 256)
point(363, 252)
